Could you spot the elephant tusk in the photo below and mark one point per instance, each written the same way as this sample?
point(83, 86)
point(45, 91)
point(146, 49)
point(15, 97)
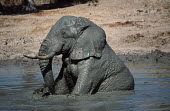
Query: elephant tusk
point(52, 54)
point(30, 57)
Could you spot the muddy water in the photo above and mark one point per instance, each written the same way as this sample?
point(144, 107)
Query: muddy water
point(152, 92)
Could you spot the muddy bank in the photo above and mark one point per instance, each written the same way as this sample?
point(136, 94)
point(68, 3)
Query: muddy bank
point(26, 62)
point(138, 31)
point(153, 57)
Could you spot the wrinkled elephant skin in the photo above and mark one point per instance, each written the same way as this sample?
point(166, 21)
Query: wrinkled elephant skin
point(89, 64)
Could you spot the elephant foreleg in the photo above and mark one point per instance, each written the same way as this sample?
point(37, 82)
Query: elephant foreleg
point(61, 86)
point(86, 81)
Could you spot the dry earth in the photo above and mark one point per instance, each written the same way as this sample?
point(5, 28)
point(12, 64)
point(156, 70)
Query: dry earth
point(133, 27)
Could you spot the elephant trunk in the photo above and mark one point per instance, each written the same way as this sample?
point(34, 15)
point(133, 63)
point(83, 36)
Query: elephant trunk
point(46, 66)
point(48, 49)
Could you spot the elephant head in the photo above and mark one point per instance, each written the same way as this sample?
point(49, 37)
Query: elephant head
point(65, 38)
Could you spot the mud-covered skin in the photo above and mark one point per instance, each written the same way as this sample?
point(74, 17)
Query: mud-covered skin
point(89, 64)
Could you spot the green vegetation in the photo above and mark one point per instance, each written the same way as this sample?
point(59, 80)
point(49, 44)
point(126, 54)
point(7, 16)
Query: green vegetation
point(93, 2)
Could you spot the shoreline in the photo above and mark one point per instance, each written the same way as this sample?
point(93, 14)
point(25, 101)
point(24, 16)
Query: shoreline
point(153, 57)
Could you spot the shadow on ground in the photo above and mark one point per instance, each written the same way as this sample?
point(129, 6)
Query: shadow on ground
point(26, 7)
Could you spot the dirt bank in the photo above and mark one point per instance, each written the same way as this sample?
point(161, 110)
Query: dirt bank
point(153, 57)
point(134, 29)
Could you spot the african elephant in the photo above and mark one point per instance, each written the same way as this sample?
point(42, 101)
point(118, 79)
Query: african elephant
point(89, 64)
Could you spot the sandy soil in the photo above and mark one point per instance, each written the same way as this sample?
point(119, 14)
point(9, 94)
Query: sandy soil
point(133, 27)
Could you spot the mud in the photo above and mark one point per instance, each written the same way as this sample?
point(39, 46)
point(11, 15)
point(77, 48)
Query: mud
point(138, 31)
point(155, 56)
point(151, 91)
point(134, 29)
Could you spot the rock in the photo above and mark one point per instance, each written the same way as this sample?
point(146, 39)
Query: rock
point(139, 10)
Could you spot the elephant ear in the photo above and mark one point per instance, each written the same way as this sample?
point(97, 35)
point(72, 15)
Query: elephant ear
point(90, 43)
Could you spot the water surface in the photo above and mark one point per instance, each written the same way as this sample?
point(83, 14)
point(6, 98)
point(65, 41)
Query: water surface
point(152, 91)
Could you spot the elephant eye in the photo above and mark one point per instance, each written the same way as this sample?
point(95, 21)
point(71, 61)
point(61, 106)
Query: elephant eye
point(73, 30)
point(69, 32)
